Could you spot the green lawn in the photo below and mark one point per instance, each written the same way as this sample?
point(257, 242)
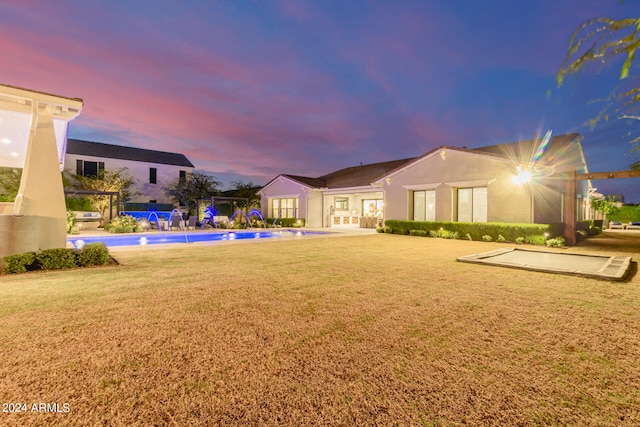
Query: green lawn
point(363, 330)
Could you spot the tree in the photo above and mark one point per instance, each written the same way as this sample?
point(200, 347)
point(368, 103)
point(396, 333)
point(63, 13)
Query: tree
point(604, 206)
point(115, 180)
point(607, 40)
point(196, 185)
point(247, 191)
point(9, 183)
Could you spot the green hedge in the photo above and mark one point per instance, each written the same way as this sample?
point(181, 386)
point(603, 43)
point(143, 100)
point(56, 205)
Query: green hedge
point(58, 258)
point(626, 214)
point(285, 222)
point(476, 230)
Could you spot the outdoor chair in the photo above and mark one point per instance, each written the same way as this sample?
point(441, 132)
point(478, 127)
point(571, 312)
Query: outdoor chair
point(191, 225)
point(616, 224)
point(176, 223)
point(633, 226)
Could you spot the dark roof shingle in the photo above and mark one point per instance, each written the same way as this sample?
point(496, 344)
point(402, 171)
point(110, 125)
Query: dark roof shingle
point(111, 151)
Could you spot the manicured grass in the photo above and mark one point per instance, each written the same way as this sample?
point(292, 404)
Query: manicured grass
point(364, 330)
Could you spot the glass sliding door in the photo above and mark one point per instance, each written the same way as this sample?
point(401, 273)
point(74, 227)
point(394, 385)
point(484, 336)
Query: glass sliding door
point(424, 205)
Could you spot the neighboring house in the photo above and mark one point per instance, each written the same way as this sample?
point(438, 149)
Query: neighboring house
point(445, 184)
point(152, 170)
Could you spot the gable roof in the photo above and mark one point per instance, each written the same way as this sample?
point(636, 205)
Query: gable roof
point(365, 175)
point(524, 151)
point(111, 151)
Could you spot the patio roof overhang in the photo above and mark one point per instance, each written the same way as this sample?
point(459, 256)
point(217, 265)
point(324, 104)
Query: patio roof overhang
point(20, 110)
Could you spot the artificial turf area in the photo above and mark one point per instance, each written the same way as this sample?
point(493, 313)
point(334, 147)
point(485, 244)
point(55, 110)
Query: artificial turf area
point(361, 330)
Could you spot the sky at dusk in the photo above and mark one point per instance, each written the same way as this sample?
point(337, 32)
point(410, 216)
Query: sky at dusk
point(248, 90)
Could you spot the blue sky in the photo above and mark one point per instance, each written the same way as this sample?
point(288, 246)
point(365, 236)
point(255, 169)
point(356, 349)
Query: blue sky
point(251, 89)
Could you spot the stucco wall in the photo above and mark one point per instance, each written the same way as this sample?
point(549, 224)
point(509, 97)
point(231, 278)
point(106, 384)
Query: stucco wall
point(166, 175)
point(506, 202)
point(284, 188)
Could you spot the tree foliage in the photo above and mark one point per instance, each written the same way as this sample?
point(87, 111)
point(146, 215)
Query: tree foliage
point(114, 180)
point(248, 191)
point(9, 183)
point(607, 40)
point(196, 185)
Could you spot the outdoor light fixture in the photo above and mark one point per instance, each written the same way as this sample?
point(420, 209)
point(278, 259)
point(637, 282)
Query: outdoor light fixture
point(523, 176)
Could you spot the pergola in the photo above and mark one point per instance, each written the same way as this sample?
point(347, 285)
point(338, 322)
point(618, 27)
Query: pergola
point(570, 209)
point(33, 136)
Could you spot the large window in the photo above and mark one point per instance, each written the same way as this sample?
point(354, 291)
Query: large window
point(85, 168)
point(284, 208)
point(424, 205)
point(472, 204)
point(153, 176)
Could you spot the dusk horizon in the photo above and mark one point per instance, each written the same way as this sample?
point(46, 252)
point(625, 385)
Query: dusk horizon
point(250, 90)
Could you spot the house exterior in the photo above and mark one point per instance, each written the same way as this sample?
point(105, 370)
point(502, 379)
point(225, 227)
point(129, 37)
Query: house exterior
point(152, 170)
point(445, 184)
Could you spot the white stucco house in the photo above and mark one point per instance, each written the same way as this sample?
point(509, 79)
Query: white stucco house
point(444, 184)
point(152, 170)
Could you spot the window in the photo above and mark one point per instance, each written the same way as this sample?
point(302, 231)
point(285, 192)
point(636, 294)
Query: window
point(372, 207)
point(153, 176)
point(84, 168)
point(341, 203)
point(472, 204)
point(424, 205)
point(284, 208)
point(183, 177)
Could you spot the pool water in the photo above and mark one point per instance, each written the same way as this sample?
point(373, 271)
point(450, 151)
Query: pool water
point(177, 237)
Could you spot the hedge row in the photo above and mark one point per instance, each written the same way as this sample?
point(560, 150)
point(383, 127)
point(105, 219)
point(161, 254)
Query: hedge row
point(476, 230)
point(626, 214)
point(284, 222)
point(59, 258)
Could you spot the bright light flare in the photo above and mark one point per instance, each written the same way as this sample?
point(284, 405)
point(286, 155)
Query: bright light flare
point(523, 176)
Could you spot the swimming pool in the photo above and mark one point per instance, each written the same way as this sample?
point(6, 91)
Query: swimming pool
point(177, 237)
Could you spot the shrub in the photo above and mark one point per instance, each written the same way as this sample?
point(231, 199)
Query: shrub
point(284, 222)
point(78, 204)
point(536, 240)
point(476, 230)
point(419, 233)
point(19, 263)
point(93, 254)
point(57, 258)
point(486, 238)
point(72, 228)
point(500, 239)
point(445, 234)
point(520, 240)
point(123, 224)
point(468, 237)
point(556, 242)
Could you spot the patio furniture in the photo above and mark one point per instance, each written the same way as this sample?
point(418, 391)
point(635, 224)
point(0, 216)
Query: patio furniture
point(634, 225)
point(191, 224)
point(176, 223)
point(617, 224)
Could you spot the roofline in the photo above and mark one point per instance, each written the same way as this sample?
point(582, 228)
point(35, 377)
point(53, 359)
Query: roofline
point(43, 96)
point(434, 152)
point(283, 175)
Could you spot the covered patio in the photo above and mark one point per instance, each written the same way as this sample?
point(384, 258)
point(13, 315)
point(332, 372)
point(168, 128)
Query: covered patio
point(33, 135)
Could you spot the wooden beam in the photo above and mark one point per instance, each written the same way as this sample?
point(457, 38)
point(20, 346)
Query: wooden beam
point(609, 175)
point(570, 208)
